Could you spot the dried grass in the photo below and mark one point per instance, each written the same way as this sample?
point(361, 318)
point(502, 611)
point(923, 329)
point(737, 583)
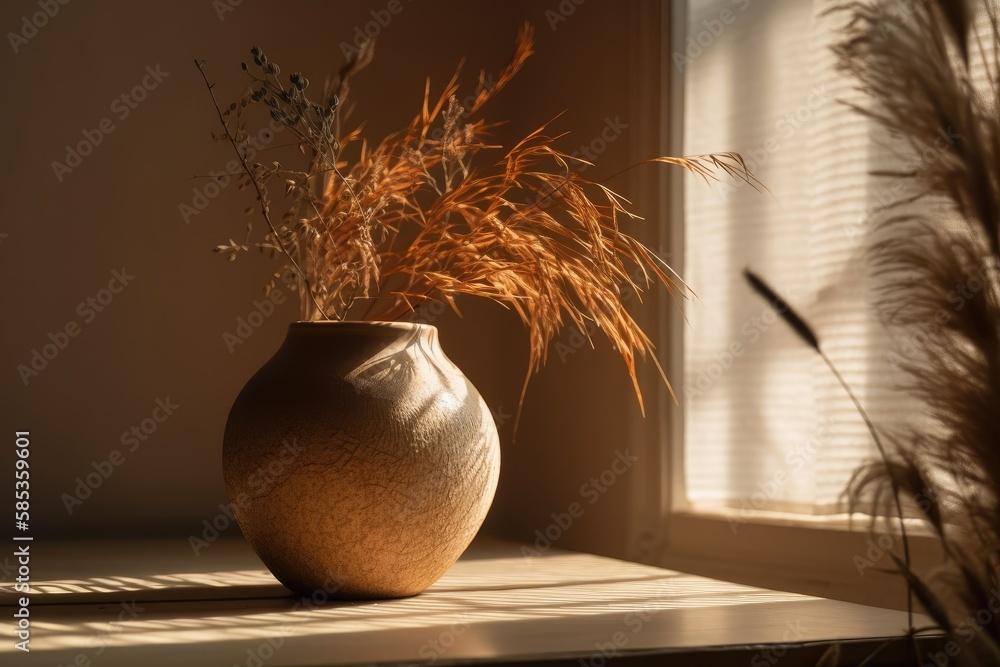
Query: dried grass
point(425, 215)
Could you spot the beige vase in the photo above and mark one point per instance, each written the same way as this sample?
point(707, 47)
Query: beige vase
point(360, 461)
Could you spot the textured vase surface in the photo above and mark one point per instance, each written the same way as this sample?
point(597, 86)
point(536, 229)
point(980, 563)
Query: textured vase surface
point(360, 462)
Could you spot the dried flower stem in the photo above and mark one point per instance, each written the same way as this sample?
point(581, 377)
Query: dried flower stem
point(261, 198)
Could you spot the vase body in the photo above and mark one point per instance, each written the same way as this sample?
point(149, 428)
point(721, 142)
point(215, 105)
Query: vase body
point(359, 460)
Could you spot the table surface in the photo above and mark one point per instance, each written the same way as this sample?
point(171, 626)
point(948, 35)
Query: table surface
point(153, 602)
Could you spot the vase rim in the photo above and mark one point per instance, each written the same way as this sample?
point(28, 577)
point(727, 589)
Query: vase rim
point(359, 324)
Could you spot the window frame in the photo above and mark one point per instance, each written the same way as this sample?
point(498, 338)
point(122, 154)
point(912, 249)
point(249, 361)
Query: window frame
point(827, 556)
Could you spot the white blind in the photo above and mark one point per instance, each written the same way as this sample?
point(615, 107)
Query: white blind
point(766, 425)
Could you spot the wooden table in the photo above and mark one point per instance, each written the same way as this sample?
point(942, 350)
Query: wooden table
point(153, 602)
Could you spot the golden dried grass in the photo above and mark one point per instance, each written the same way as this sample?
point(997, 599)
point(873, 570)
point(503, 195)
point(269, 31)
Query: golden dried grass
point(422, 216)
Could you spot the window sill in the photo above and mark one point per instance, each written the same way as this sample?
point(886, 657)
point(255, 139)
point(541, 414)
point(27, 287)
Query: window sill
point(154, 603)
point(835, 558)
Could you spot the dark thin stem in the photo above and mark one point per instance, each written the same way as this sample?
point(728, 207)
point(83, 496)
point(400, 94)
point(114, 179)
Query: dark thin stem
point(892, 475)
point(323, 151)
point(808, 336)
point(874, 654)
point(264, 207)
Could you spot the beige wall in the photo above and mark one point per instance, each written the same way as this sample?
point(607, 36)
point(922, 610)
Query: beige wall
point(162, 335)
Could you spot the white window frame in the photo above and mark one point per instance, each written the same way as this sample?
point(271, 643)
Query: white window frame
point(814, 555)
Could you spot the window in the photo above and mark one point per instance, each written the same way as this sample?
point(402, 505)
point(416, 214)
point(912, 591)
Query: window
point(768, 439)
point(767, 425)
